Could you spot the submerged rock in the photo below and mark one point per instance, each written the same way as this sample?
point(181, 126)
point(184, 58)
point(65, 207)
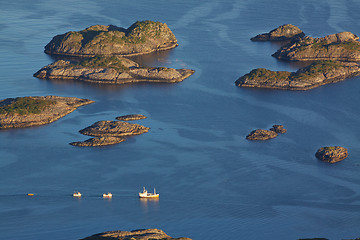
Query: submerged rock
point(261, 134)
point(332, 154)
point(141, 234)
point(34, 111)
point(342, 46)
point(140, 38)
point(99, 141)
point(113, 70)
point(315, 75)
point(282, 33)
point(278, 129)
point(131, 117)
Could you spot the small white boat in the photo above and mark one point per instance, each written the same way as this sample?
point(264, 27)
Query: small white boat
point(146, 194)
point(76, 194)
point(107, 195)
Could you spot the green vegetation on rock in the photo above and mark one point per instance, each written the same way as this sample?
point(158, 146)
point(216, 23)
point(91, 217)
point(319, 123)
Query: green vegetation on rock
point(140, 38)
point(26, 105)
point(319, 67)
point(262, 73)
point(104, 62)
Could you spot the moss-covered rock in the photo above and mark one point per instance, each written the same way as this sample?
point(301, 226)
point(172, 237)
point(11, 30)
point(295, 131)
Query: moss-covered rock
point(140, 38)
point(111, 69)
point(342, 46)
point(285, 32)
point(316, 74)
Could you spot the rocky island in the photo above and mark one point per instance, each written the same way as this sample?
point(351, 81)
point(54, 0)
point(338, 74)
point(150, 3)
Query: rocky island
point(317, 74)
point(141, 234)
point(140, 38)
point(110, 69)
point(342, 46)
point(332, 154)
point(131, 117)
point(262, 134)
point(109, 132)
point(34, 111)
point(285, 32)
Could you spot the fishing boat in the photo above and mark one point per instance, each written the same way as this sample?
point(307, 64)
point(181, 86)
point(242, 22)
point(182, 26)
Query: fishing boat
point(146, 194)
point(76, 194)
point(107, 195)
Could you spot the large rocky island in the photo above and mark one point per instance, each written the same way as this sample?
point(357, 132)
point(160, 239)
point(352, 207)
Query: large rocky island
point(34, 111)
point(285, 32)
point(111, 69)
point(342, 46)
point(141, 234)
point(140, 38)
point(317, 74)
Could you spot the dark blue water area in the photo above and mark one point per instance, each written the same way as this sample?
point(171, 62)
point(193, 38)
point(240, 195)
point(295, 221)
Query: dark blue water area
point(213, 183)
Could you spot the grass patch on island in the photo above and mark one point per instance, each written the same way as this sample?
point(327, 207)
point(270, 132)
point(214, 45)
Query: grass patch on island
point(26, 105)
point(262, 73)
point(104, 62)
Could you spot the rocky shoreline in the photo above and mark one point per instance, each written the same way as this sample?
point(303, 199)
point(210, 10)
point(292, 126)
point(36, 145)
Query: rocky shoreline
point(312, 76)
point(111, 70)
point(34, 111)
point(142, 37)
point(140, 234)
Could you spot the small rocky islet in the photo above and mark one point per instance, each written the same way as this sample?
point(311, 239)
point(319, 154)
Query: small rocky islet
point(316, 74)
point(110, 70)
point(262, 134)
point(109, 133)
point(141, 234)
point(286, 32)
point(332, 154)
point(131, 117)
point(142, 37)
point(31, 111)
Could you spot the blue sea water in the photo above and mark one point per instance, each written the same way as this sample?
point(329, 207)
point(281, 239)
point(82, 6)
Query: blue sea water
point(213, 183)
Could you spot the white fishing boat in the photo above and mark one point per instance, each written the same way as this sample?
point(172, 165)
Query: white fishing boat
point(76, 194)
point(107, 195)
point(146, 194)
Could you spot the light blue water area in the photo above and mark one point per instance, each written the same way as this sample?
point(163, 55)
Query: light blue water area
point(213, 183)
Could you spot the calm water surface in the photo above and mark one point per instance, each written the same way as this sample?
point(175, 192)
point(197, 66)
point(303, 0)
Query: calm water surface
point(214, 184)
